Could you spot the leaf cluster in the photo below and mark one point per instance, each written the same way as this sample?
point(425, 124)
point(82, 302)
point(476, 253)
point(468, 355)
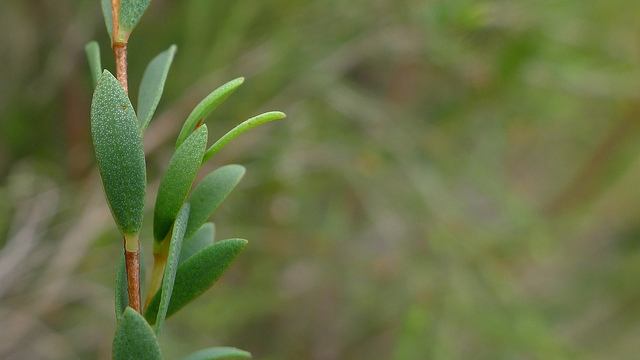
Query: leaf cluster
point(187, 261)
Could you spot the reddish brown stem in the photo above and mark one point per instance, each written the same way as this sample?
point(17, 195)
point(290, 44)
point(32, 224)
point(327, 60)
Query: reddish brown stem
point(120, 53)
point(132, 261)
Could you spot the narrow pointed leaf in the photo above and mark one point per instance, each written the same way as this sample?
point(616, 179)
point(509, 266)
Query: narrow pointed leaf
point(172, 265)
point(206, 106)
point(152, 86)
point(122, 296)
point(197, 274)
point(176, 182)
point(246, 125)
point(93, 57)
point(118, 146)
point(219, 353)
point(108, 19)
point(209, 194)
point(130, 13)
point(200, 240)
point(135, 339)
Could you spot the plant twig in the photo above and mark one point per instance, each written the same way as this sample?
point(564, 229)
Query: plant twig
point(120, 53)
point(131, 244)
point(132, 262)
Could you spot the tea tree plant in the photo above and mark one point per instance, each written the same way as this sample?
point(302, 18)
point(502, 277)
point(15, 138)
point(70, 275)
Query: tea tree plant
point(186, 259)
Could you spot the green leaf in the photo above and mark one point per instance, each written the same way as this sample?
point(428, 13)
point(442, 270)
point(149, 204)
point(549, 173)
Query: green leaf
point(93, 57)
point(172, 265)
point(176, 182)
point(108, 18)
point(210, 193)
point(135, 339)
point(200, 240)
point(152, 86)
point(130, 13)
point(118, 146)
point(219, 353)
point(206, 106)
point(122, 296)
point(197, 274)
point(246, 125)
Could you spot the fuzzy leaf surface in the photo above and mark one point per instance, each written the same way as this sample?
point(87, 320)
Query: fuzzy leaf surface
point(176, 182)
point(197, 274)
point(172, 265)
point(152, 85)
point(200, 240)
point(206, 106)
point(118, 146)
point(209, 194)
point(130, 13)
point(93, 58)
point(219, 353)
point(244, 126)
point(135, 339)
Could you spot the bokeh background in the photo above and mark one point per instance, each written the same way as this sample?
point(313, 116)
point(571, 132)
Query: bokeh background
point(455, 179)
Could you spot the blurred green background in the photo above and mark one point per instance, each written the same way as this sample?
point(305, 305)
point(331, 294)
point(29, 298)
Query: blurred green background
point(455, 179)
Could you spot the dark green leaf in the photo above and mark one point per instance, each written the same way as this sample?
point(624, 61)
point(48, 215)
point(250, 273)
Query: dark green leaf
point(210, 193)
point(122, 297)
point(172, 265)
point(206, 106)
point(118, 145)
point(244, 126)
point(176, 182)
point(93, 57)
point(219, 353)
point(134, 339)
point(197, 274)
point(152, 86)
point(200, 240)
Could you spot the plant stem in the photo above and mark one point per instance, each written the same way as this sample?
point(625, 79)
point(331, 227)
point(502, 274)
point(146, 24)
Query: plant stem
point(120, 53)
point(131, 242)
point(132, 262)
point(119, 48)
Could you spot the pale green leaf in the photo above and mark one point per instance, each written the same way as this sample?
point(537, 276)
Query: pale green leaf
point(209, 194)
point(200, 240)
point(219, 353)
point(197, 274)
point(152, 86)
point(93, 57)
point(108, 17)
point(118, 146)
point(134, 339)
point(172, 265)
point(244, 126)
point(206, 106)
point(176, 182)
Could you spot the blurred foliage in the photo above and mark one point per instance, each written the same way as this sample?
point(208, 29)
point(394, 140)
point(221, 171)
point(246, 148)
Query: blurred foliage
point(455, 179)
